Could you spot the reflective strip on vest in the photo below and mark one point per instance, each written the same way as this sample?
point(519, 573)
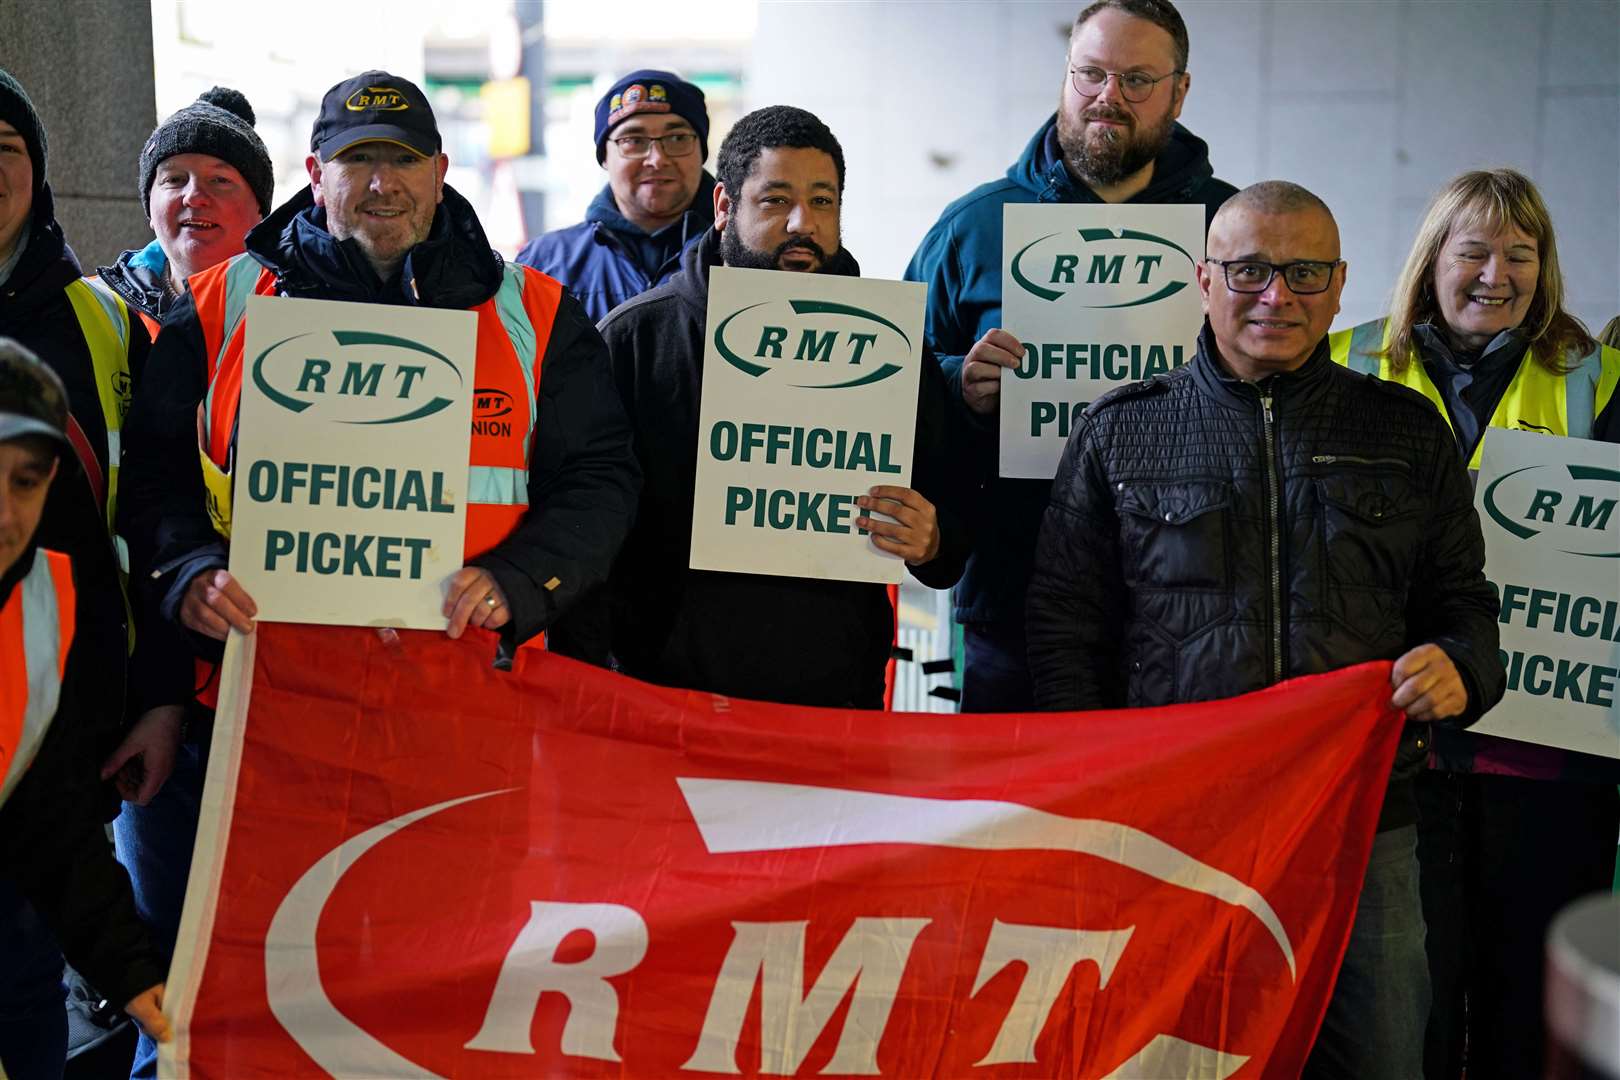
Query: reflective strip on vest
point(492, 486)
point(520, 331)
point(241, 275)
point(104, 322)
point(46, 605)
point(1536, 399)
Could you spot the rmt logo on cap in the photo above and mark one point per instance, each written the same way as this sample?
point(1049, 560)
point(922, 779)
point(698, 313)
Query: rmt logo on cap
point(377, 99)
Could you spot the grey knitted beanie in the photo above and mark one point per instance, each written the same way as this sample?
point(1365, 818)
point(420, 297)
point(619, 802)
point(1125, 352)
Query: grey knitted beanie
point(219, 123)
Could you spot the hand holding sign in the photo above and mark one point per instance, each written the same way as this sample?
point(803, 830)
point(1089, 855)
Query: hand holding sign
point(473, 599)
point(981, 369)
point(913, 535)
point(215, 604)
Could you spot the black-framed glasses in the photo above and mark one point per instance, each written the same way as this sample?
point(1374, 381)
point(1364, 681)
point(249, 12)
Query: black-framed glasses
point(1252, 276)
point(675, 144)
point(1136, 86)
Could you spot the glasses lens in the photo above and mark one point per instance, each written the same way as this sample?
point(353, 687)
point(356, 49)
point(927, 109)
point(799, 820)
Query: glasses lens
point(1248, 277)
point(632, 145)
point(1089, 80)
point(679, 144)
point(1136, 87)
point(1309, 277)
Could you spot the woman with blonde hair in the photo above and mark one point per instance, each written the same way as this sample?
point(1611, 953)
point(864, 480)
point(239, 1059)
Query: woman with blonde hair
point(1509, 831)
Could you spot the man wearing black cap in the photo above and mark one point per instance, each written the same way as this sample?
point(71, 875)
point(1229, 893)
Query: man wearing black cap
point(205, 180)
point(377, 224)
point(86, 336)
point(652, 137)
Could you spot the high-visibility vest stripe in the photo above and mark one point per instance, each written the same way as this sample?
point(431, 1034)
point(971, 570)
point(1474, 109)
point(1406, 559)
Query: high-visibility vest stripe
point(1565, 404)
point(104, 321)
point(496, 486)
point(36, 632)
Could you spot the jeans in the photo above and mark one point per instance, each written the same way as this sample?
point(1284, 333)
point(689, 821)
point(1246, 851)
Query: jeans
point(1374, 1024)
point(33, 1023)
point(154, 843)
point(995, 669)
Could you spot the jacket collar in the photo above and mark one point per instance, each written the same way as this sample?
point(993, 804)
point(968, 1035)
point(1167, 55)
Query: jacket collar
point(141, 278)
point(1178, 171)
point(47, 265)
point(691, 282)
point(453, 268)
point(1505, 348)
point(1290, 389)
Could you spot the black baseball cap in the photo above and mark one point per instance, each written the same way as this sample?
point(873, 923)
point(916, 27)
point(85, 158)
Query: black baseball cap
point(375, 106)
point(32, 400)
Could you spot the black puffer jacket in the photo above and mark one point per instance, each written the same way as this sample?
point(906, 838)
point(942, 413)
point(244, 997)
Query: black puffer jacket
point(1163, 574)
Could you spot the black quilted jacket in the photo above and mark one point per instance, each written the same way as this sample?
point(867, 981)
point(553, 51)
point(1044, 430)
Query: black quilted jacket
point(1194, 549)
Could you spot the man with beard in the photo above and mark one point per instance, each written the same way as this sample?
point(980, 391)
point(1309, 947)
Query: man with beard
point(1113, 139)
point(793, 640)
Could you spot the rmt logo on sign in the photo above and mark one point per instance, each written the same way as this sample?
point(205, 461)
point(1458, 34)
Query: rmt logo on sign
point(813, 344)
point(356, 377)
point(1575, 513)
point(1121, 269)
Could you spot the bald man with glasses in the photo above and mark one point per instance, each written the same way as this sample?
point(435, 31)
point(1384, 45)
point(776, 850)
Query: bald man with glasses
point(1113, 139)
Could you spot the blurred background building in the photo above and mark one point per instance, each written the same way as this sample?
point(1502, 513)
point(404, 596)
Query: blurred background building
point(1371, 103)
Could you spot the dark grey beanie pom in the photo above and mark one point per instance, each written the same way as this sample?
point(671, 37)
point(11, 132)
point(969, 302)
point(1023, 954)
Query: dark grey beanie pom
point(232, 101)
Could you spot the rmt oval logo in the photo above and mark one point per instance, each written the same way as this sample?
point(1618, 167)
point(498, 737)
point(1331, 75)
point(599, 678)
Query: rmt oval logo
point(1567, 507)
point(492, 412)
point(377, 99)
point(1107, 269)
point(813, 344)
point(356, 377)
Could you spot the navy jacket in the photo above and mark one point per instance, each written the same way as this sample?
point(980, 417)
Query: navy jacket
point(606, 260)
point(960, 261)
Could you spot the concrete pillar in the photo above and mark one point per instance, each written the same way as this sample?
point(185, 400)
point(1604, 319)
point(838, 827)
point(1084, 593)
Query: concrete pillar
point(87, 65)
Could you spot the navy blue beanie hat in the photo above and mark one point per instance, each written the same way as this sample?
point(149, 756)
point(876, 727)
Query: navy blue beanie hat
point(17, 110)
point(649, 92)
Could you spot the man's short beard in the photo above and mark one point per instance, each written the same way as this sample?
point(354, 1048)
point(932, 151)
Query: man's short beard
point(1111, 156)
point(733, 252)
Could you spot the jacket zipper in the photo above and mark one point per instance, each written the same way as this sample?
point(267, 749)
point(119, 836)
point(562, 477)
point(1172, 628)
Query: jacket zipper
point(1352, 459)
point(1274, 523)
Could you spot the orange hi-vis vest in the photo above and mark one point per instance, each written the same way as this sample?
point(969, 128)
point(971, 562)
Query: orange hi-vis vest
point(36, 631)
point(514, 327)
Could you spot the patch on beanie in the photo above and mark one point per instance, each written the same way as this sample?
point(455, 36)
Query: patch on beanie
point(635, 98)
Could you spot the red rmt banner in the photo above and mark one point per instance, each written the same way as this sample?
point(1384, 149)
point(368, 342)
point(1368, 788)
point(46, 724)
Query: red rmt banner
point(413, 865)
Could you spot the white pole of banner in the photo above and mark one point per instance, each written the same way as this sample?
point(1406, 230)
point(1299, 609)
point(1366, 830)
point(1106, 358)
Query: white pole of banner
point(208, 854)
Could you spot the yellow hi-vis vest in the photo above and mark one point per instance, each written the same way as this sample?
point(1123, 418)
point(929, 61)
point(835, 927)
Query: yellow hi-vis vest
point(104, 322)
point(1536, 399)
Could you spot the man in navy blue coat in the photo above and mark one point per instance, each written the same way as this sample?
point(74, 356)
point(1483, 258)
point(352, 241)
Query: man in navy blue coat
point(652, 137)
